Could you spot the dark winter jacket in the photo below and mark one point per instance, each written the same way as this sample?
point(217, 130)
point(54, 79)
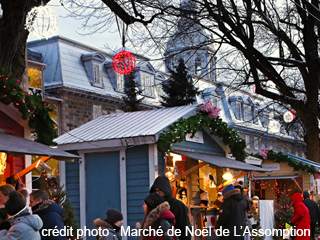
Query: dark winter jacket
point(301, 216)
point(159, 217)
point(233, 215)
point(23, 227)
point(51, 215)
point(314, 209)
point(106, 235)
point(177, 207)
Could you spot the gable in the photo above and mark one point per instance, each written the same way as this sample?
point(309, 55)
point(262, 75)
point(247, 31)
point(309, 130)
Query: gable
point(208, 146)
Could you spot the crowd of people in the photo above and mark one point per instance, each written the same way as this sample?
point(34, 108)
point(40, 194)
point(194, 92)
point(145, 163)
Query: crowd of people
point(16, 222)
point(162, 211)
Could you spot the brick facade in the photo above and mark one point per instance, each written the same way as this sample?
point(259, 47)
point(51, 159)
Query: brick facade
point(76, 110)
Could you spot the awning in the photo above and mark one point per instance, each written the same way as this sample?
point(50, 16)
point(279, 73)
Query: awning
point(275, 177)
point(13, 144)
point(220, 161)
point(305, 161)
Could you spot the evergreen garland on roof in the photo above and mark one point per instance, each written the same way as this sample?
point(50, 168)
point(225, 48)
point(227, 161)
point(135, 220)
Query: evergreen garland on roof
point(279, 157)
point(178, 130)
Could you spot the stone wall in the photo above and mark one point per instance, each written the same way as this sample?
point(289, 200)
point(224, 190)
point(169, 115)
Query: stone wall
point(75, 111)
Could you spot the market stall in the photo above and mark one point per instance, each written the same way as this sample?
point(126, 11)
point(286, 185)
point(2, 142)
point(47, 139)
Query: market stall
point(197, 178)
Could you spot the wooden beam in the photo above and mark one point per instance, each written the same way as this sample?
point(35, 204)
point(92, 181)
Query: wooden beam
point(231, 180)
point(189, 171)
point(295, 181)
point(30, 168)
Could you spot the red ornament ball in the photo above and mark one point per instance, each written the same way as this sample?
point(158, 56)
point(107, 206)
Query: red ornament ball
point(124, 62)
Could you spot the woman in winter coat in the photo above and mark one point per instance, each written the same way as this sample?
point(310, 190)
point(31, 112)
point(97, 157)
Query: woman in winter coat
point(157, 215)
point(23, 225)
point(110, 226)
point(234, 213)
point(301, 217)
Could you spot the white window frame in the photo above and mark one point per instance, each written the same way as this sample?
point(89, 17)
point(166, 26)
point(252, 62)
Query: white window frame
point(248, 142)
point(238, 111)
point(256, 143)
point(120, 81)
point(247, 110)
point(97, 74)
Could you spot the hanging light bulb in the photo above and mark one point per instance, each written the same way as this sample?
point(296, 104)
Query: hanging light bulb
point(227, 175)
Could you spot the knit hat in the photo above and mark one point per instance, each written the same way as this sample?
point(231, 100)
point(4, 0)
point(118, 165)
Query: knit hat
point(227, 189)
point(113, 216)
point(14, 204)
point(306, 195)
point(153, 200)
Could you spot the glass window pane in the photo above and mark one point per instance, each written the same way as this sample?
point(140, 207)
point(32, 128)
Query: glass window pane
point(34, 76)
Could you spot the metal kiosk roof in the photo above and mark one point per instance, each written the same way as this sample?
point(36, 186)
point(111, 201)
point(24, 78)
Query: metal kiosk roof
point(18, 145)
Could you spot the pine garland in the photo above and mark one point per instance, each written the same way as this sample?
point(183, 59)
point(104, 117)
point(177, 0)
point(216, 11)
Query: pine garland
point(279, 157)
point(30, 106)
point(178, 130)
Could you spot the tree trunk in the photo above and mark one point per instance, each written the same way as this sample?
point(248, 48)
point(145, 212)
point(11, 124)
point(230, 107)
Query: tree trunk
point(13, 35)
point(312, 137)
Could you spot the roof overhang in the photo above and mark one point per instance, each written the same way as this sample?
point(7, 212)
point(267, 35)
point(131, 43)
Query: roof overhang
point(305, 161)
point(276, 177)
point(13, 144)
point(110, 143)
point(220, 161)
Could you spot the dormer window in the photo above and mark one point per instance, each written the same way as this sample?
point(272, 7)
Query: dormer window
point(198, 66)
point(92, 63)
point(97, 74)
point(147, 85)
point(236, 106)
point(120, 82)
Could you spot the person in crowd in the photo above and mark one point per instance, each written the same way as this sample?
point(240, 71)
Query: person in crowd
point(5, 190)
point(314, 212)
point(162, 186)
point(301, 216)
point(23, 225)
point(234, 211)
point(112, 223)
point(217, 208)
point(25, 193)
point(157, 216)
point(50, 213)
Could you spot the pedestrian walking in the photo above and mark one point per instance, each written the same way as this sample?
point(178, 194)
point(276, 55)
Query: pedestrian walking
point(314, 212)
point(112, 224)
point(23, 225)
point(158, 216)
point(162, 186)
point(234, 213)
point(50, 213)
point(301, 216)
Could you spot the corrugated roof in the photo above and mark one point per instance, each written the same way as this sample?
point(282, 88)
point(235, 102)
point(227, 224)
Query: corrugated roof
point(126, 125)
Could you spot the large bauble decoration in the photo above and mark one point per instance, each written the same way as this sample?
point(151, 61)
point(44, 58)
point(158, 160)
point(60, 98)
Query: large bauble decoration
point(42, 22)
point(289, 116)
point(124, 62)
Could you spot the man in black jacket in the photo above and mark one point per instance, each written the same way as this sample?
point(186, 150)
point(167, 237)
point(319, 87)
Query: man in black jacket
point(50, 213)
point(233, 216)
point(314, 212)
point(162, 186)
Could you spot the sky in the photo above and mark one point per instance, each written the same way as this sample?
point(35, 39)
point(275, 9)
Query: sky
point(68, 27)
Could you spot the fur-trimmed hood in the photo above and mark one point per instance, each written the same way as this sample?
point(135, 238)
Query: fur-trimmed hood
point(43, 205)
point(160, 212)
point(236, 194)
point(103, 224)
